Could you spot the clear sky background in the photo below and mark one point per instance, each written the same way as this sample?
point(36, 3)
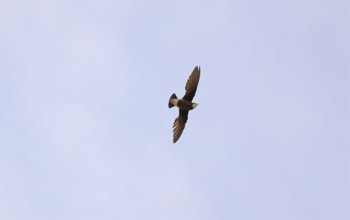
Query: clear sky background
point(86, 133)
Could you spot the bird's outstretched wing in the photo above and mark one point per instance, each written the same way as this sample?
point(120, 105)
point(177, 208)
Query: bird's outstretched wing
point(179, 124)
point(192, 83)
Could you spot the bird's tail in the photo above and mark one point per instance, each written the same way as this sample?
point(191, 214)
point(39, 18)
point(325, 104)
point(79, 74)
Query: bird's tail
point(170, 104)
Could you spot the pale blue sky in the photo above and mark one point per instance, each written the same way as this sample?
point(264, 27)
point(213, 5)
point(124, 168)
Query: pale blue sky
point(85, 131)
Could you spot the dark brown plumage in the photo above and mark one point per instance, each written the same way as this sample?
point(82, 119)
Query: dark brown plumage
point(185, 104)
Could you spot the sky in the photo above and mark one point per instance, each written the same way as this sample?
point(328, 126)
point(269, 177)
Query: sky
point(86, 133)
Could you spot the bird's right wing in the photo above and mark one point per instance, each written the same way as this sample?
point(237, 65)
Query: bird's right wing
point(192, 83)
point(179, 124)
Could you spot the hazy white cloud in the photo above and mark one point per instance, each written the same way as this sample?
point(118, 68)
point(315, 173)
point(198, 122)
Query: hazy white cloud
point(85, 131)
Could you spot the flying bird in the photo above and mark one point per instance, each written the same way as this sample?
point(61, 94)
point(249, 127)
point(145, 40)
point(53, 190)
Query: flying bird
point(185, 104)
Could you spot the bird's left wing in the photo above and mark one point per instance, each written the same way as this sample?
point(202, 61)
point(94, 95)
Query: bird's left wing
point(192, 83)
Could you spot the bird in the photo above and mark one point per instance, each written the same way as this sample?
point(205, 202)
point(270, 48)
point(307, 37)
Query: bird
point(185, 104)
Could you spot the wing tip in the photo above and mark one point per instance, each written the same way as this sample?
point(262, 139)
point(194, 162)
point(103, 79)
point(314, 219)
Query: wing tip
point(197, 68)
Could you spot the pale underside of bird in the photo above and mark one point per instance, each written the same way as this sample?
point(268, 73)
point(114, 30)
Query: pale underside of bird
point(185, 104)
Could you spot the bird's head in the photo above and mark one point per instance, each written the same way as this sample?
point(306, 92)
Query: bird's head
point(194, 105)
